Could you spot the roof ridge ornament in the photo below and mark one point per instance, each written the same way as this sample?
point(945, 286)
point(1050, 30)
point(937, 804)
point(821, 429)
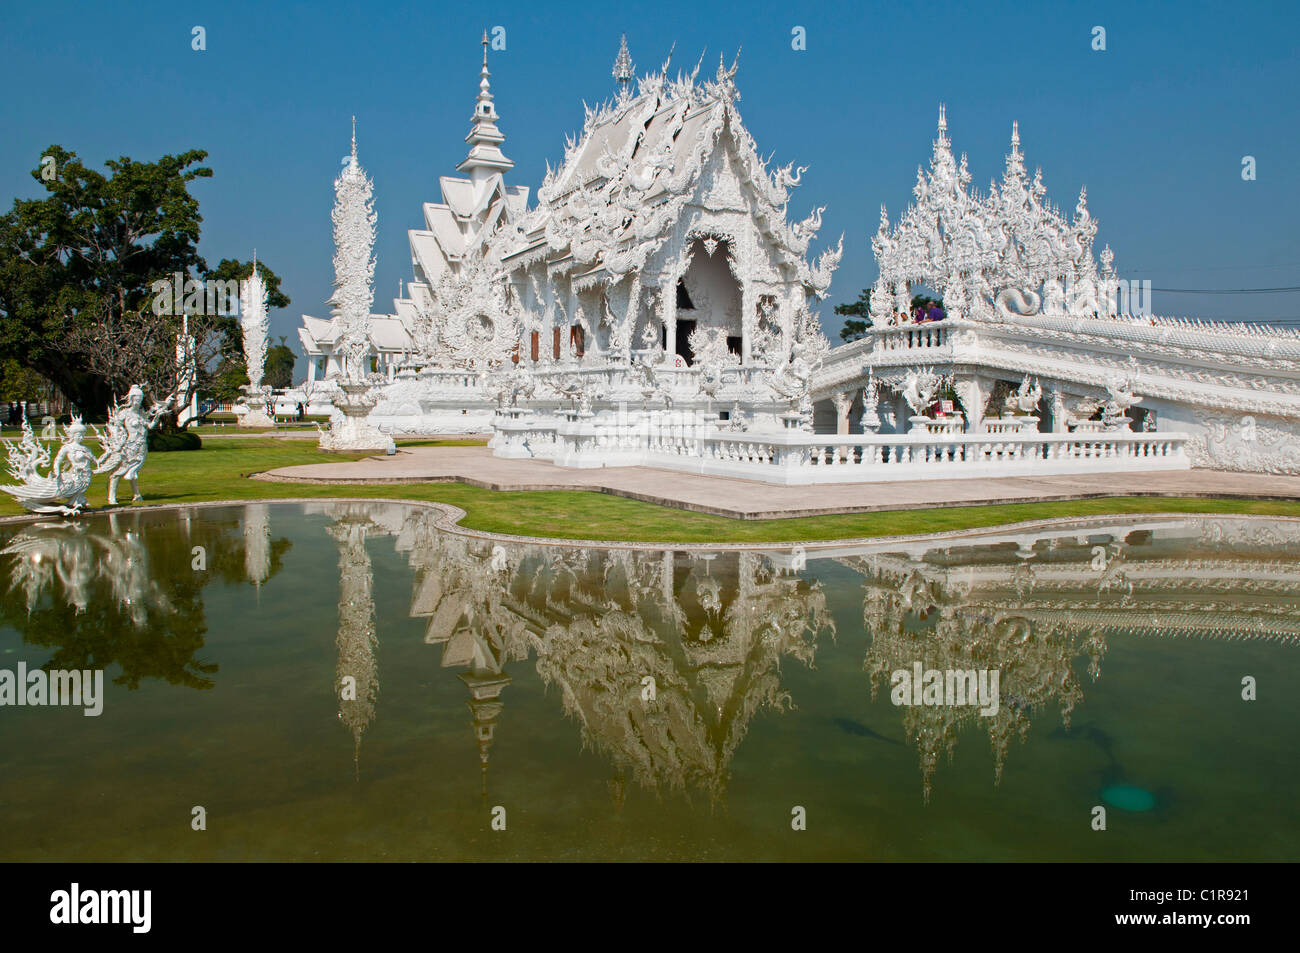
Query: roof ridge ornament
point(485, 157)
point(624, 69)
point(725, 82)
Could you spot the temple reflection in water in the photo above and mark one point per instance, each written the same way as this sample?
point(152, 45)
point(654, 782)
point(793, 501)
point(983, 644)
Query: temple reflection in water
point(663, 658)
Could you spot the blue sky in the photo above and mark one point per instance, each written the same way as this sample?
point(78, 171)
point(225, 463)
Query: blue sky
point(1156, 125)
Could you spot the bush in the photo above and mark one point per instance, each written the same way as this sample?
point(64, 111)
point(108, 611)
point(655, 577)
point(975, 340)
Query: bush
point(163, 442)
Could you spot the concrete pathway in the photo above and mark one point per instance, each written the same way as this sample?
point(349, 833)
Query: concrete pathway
point(745, 499)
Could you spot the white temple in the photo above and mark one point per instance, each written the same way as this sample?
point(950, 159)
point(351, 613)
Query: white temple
point(657, 307)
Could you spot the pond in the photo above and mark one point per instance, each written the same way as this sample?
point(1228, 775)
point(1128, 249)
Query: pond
point(348, 681)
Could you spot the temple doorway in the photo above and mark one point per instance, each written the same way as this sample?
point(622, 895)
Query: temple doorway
point(684, 329)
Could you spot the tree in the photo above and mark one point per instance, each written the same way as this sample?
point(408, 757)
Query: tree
point(925, 302)
point(857, 317)
point(280, 360)
point(161, 352)
point(20, 383)
point(90, 251)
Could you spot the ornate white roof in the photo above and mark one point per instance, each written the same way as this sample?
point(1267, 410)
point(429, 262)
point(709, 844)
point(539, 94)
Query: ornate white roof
point(974, 248)
point(639, 160)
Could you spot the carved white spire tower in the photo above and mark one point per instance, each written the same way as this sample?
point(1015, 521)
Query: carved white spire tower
point(354, 262)
point(485, 157)
point(253, 321)
point(253, 324)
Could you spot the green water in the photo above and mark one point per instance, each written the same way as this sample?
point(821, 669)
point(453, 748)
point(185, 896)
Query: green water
point(510, 678)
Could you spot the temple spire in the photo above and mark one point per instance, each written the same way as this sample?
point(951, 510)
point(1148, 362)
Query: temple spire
point(485, 157)
point(624, 70)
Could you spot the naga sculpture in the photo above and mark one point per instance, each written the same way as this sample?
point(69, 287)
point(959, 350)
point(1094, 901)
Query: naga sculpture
point(64, 489)
point(1025, 399)
point(919, 388)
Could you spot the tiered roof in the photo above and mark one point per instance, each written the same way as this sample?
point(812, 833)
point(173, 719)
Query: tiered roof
point(624, 182)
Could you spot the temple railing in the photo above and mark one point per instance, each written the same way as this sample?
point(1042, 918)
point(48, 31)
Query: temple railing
point(906, 337)
point(794, 457)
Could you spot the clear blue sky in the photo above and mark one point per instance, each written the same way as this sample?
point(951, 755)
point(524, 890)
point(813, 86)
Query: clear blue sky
point(1156, 125)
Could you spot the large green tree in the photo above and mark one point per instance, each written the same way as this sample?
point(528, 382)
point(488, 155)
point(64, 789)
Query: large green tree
point(279, 365)
point(78, 302)
point(89, 251)
point(857, 316)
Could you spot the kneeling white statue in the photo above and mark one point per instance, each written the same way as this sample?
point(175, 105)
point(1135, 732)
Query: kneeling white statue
point(64, 489)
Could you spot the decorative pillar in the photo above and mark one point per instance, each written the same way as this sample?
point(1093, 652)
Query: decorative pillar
point(747, 306)
point(627, 336)
point(843, 401)
point(668, 309)
point(1056, 407)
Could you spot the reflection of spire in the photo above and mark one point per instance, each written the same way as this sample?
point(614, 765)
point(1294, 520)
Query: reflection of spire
point(486, 707)
point(356, 641)
point(257, 543)
point(460, 588)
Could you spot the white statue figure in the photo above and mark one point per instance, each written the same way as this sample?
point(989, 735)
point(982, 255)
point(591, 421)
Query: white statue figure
point(64, 490)
point(126, 442)
point(508, 385)
point(579, 391)
point(793, 382)
point(1026, 398)
point(919, 388)
point(1120, 398)
point(871, 404)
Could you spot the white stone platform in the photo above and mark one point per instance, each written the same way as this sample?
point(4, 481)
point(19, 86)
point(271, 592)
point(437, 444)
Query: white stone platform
point(744, 499)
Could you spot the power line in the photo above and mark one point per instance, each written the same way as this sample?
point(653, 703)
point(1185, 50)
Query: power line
point(1164, 268)
point(1229, 291)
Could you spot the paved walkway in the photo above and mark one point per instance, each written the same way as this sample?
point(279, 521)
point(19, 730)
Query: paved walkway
point(746, 499)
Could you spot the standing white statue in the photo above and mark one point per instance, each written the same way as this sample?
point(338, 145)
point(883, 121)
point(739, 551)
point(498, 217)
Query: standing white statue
point(871, 404)
point(64, 490)
point(126, 440)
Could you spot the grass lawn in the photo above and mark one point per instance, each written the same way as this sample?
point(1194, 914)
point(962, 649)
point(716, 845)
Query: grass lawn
point(219, 470)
